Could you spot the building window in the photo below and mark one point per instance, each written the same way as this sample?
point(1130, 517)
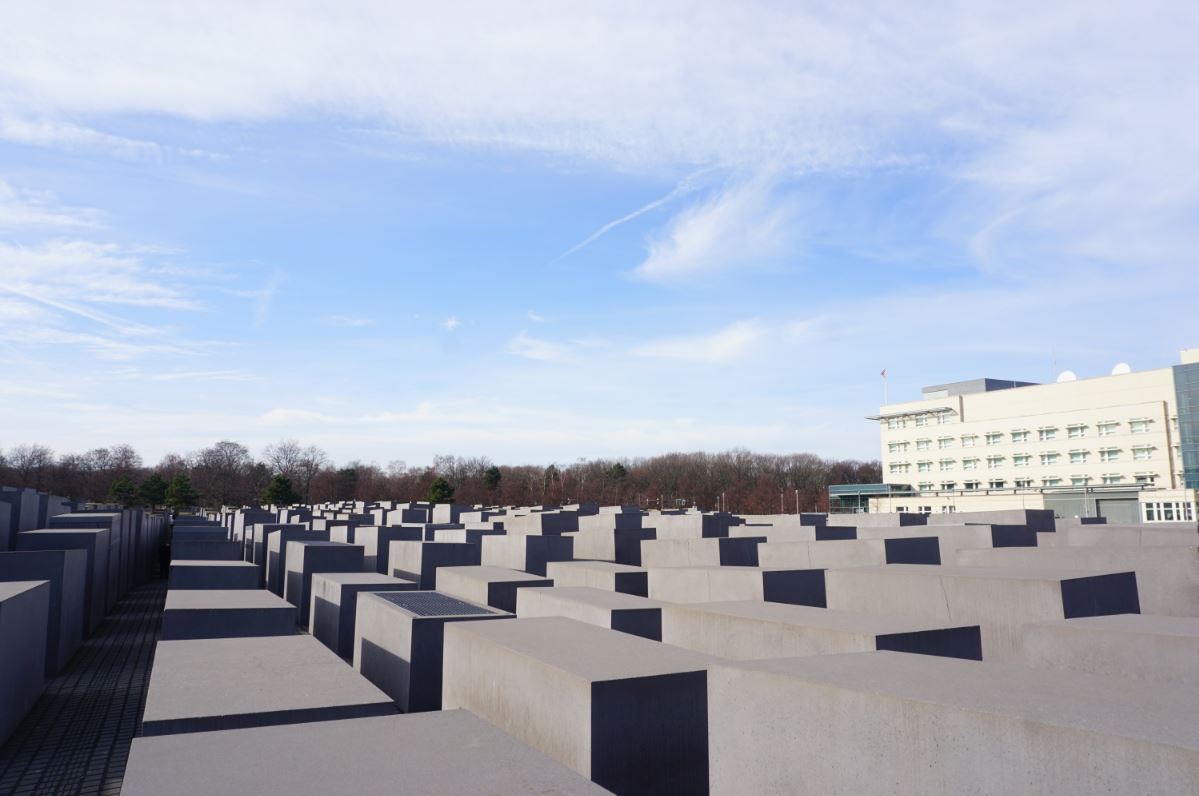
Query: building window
point(1146, 478)
point(1079, 480)
point(994, 462)
point(898, 468)
point(969, 464)
point(925, 509)
point(1078, 457)
point(996, 483)
point(921, 421)
point(1139, 426)
point(1109, 455)
point(894, 423)
point(1142, 453)
point(944, 419)
point(1113, 479)
point(1019, 436)
point(972, 484)
point(923, 444)
point(994, 438)
point(1051, 482)
point(1171, 511)
point(924, 467)
point(1047, 434)
point(1048, 459)
point(897, 447)
point(1022, 459)
point(947, 509)
point(926, 486)
point(1108, 429)
point(1023, 483)
point(969, 440)
point(945, 442)
point(946, 465)
point(947, 486)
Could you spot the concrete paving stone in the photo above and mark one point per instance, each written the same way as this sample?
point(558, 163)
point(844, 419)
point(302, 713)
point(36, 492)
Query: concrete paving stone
point(895, 723)
point(1163, 649)
point(448, 752)
point(627, 712)
point(750, 629)
point(487, 585)
point(212, 575)
point(626, 613)
point(718, 584)
point(623, 578)
point(227, 683)
point(226, 613)
point(999, 599)
point(334, 605)
point(398, 642)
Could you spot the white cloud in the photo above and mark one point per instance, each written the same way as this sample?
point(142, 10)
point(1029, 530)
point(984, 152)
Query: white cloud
point(22, 210)
point(450, 324)
point(535, 317)
point(72, 137)
point(729, 344)
point(744, 225)
point(522, 345)
point(349, 321)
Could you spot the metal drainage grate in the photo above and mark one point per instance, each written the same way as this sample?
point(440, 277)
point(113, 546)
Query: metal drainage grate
point(432, 603)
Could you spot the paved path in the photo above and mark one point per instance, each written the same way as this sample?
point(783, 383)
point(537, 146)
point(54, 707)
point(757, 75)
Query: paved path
point(76, 738)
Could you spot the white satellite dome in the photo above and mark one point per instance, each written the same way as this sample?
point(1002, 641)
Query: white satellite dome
point(1066, 375)
point(1121, 368)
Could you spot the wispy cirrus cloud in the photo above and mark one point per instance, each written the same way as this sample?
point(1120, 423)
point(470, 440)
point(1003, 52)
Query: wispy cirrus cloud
point(729, 344)
point(348, 321)
point(538, 349)
point(39, 211)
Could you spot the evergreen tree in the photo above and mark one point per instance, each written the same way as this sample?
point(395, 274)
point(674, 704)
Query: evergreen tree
point(180, 494)
point(440, 491)
point(122, 492)
point(492, 477)
point(280, 492)
point(153, 491)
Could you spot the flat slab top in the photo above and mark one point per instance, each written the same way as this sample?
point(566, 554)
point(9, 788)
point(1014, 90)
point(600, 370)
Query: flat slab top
point(600, 598)
point(803, 616)
point(360, 579)
point(1097, 703)
point(1133, 624)
point(12, 588)
point(231, 676)
point(208, 599)
point(597, 566)
point(442, 752)
point(996, 573)
point(215, 563)
point(63, 531)
point(731, 571)
point(490, 574)
point(592, 653)
point(432, 604)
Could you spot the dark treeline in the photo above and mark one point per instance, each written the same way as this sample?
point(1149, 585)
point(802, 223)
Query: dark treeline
point(227, 474)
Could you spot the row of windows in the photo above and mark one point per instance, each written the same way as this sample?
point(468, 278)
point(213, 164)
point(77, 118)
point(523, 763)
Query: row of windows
point(1169, 511)
point(1140, 453)
point(1047, 434)
point(1027, 483)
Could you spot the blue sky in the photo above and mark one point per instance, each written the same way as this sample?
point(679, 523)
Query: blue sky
point(543, 231)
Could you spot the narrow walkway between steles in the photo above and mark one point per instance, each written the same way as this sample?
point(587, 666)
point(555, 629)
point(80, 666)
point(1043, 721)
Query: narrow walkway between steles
point(76, 738)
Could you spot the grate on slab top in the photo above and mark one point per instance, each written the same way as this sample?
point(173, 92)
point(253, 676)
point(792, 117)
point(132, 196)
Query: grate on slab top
point(432, 603)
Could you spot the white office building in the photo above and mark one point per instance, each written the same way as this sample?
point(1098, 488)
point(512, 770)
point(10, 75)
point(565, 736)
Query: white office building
point(1123, 446)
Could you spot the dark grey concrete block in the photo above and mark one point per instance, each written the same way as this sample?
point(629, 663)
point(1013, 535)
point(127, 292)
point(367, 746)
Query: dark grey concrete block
point(212, 575)
point(306, 558)
point(66, 573)
point(24, 619)
point(226, 613)
point(333, 608)
point(94, 542)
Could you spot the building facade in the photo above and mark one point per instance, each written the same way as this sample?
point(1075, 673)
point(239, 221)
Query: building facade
point(1124, 446)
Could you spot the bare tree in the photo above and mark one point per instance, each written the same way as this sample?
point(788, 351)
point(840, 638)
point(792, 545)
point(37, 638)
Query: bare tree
point(30, 464)
point(220, 473)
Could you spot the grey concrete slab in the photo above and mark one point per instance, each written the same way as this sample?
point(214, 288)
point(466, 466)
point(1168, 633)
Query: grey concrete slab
point(94, 542)
point(889, 722)
point(1121, 536)
point(376, 543)
point(749, 629)
point(226, 613)
point(850, 553)
point(205, 550)
point(527, 552)
point(418, 561)
point(613, 610)
point(721, 552)
point(486, 585)
point(447, 752)
point(1167, 576)
point(24, 620)
point(717, 584)
point(258, 533)
point(199, 533)
point(20, 506)
point(306, 558)
point(113, 522)
point(627, 712)
point(276, 554)
point(623, 578)
point(621, 545)
point(398, 642)
point(999, 599)
point(66, 573)
point(471, 535)
point(1162, 649)
point(226, 683)
point(1034, 519)
point(897, 519)
point(690, 526)
point(212, 575)
point(333, 608)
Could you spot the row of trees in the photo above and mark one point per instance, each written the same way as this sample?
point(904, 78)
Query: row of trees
point(287, 472)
